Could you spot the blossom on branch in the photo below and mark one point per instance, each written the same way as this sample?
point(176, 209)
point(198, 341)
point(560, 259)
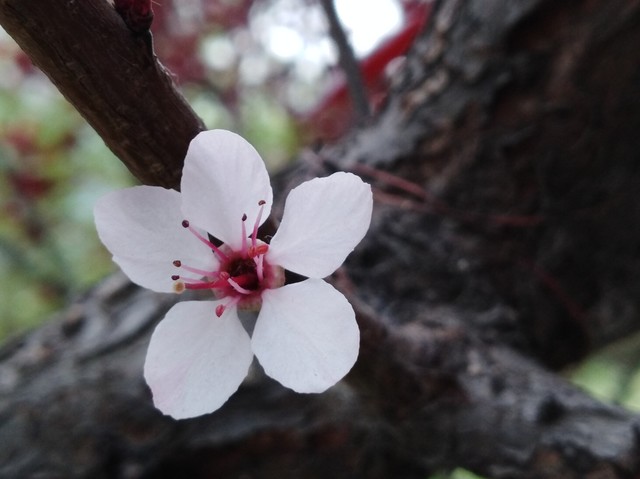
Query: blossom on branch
point(305, 335)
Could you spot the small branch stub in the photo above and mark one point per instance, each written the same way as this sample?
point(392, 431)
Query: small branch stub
point(137, 14)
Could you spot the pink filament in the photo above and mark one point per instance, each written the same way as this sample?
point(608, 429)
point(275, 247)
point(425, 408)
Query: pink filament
point(237, 287)
point(244, 233)
point(199, 271)
point(214, 248)
point(259, 261)
point(254, 251)
point(254, 234)
point(221, 308)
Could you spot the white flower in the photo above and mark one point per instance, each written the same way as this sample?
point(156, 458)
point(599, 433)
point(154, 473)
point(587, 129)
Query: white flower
point(305, 336)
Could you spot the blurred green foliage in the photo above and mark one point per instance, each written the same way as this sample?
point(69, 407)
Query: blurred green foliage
point(456, 474)
point(52, 169)
point(613, 374)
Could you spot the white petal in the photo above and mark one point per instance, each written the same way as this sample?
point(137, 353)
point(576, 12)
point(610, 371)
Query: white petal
point(142, 228)
point(223, 179)
point(196, 360)
point(324, 219)
point(306, 336)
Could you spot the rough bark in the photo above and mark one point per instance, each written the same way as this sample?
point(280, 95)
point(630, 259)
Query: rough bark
point(504, 246)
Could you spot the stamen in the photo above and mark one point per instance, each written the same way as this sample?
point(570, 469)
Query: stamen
point(175, 277)
point(254, 234)
point(244, 233)
point(237, 287)
point(195, 281)
point(214, 248)
point(198, 271)
point(197, 284)
point(221, 308)
point(259, 261)
point(258, 250)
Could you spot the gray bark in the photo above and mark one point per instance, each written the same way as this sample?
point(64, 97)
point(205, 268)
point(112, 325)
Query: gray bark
point(504, 246)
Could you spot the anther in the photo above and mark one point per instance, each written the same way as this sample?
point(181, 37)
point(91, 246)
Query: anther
point(258, 250)
point(262, 202)
point(175, 277)
point(185, 223)
point(179, 287)
point(177, 263)
point(221, 308)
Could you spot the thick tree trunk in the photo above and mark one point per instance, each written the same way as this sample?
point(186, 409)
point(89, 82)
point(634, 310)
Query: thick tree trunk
point(504, 245)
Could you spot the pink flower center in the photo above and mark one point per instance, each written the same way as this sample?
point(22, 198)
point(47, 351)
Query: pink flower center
point(242, 274)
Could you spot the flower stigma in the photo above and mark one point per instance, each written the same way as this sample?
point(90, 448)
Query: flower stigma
point(242, 274)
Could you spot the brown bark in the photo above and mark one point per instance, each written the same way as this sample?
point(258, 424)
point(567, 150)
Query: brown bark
point(112, 77)
point(504, 245)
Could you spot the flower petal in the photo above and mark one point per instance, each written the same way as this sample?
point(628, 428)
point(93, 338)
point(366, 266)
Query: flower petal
point(142, 228)
point(224, 178)
point(196, 360)
point(306, 336)
point(324, 219)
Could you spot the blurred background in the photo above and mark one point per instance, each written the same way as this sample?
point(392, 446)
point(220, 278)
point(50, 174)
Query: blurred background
point(264, 68)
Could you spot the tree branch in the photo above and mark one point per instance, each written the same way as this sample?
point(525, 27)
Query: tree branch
point(112, 77)
point(505, 177)
point(348, 62)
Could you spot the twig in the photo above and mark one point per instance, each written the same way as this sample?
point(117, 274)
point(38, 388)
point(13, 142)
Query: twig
point(348, 62)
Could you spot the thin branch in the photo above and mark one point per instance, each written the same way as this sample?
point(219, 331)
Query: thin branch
point(348, 62)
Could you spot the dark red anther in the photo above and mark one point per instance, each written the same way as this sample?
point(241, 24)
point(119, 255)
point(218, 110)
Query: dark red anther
point(177, 263)
point(185, 224)
point(175, 277)
point(137, 14)
point(261, 202)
